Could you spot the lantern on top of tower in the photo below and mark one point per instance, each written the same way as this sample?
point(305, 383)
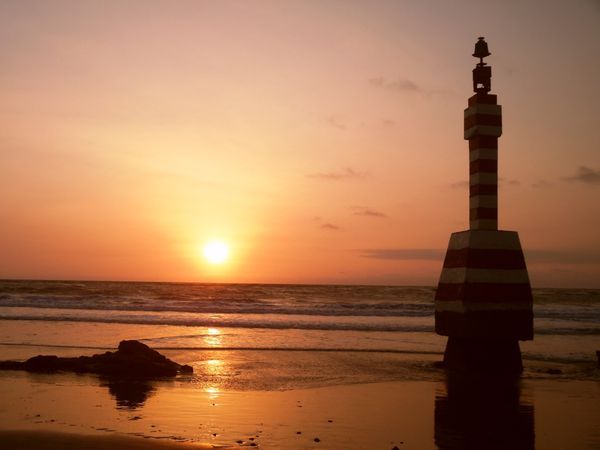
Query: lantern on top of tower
point(482, 73)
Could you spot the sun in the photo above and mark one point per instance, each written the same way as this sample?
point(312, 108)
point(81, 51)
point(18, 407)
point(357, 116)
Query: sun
point(216, 252)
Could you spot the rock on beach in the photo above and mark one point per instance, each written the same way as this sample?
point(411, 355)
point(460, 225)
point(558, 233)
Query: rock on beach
point(132, 359)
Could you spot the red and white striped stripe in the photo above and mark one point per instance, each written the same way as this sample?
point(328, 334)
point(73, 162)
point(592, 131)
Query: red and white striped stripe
point(483, 126)
point(484, 287)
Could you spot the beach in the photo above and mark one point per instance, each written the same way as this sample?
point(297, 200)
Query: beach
point(282, 381)
point(64, 411)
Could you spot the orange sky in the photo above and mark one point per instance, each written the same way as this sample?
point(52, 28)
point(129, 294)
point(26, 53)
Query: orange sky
point(321, 139)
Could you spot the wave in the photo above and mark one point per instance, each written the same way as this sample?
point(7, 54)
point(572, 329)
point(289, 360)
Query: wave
point(578, 305)
point(206, 348)
point(225, 307)
point(563, 312)
point(406, 326)
point(225, 323)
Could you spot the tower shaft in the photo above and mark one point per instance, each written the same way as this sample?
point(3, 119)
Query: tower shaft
point(483, 127)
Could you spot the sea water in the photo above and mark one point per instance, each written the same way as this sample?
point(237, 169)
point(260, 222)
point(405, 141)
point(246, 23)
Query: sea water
point(277, 336)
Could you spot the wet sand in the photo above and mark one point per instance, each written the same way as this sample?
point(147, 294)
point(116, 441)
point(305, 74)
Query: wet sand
point(50, 440)
point(535, 414)
point(290, 400)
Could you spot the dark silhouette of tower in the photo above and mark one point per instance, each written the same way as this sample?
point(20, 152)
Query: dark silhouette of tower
point(483, 301)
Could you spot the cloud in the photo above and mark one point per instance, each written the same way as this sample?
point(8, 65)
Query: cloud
point(508, 181)
point(388, 123)
point(463, 184)
point(368, 212)
point(541, 184)
point(345, 174)
point(326, 225)
point(533, 256)
point(586, 175)
point(330, 226)
point(337, 122)
point(428, 254)
point(563, 256)
point(398, 85)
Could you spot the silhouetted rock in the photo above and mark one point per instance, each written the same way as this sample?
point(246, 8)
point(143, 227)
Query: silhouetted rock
point(132, 360)
point(186, 369)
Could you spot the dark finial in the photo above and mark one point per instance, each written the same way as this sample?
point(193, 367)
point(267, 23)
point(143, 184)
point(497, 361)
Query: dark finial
point(482, 73)
point(481, 49)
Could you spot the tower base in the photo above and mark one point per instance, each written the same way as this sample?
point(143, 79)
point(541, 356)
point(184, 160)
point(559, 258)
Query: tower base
point(484, 291)
point(485, 356)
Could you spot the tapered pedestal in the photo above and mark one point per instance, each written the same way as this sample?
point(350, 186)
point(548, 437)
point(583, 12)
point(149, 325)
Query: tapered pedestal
point(483, 302)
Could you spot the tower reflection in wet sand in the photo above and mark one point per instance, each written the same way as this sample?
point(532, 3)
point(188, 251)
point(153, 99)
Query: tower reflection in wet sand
point(482, 414)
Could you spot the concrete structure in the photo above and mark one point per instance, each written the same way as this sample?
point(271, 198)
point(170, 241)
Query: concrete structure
point(483, 302)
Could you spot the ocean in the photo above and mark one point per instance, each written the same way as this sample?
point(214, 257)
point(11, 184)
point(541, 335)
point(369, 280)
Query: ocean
point(370, 333)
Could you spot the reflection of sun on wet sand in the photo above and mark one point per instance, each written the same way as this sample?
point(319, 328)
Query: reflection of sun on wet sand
point(273, 406)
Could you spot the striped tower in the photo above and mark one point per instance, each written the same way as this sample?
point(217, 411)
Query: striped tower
point(483, 301)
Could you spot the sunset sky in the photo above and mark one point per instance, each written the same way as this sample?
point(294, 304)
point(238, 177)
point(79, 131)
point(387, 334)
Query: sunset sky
point(321, 140)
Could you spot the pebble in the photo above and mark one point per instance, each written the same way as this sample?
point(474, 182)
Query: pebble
point(317, 440)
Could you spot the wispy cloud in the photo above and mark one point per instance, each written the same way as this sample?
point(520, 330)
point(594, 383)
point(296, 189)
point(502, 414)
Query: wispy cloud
point(576, 256)
point(586, 175)
point(533, 256)
point(508, 181)
point(368, 212)
point(345, 174)
point(462, 184)
point(397, 85)
point(330, 226)
point(337, 122)
point(322, 224)
point(541, 184)
point(404, 253)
